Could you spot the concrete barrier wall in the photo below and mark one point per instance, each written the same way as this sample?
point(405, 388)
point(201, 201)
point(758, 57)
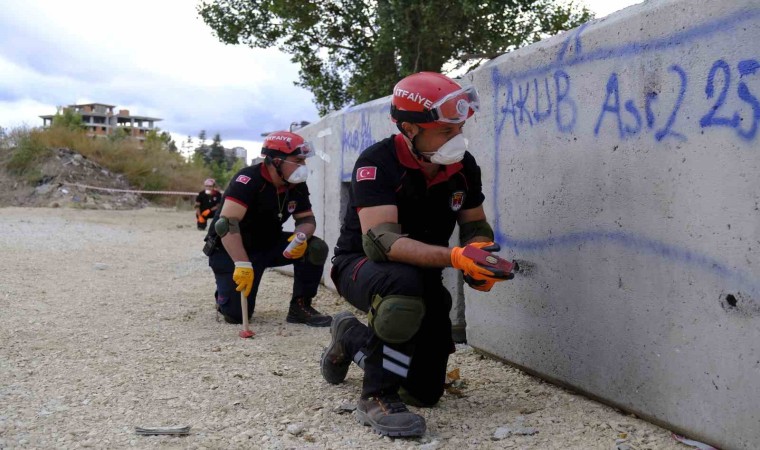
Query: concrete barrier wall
point(620, 160)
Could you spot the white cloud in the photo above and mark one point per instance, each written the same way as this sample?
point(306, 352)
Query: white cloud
point(22, 113)
point(152, 57)
point(155, 58)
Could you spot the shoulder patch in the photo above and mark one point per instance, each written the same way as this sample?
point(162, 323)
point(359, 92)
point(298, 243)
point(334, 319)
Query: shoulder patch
point(243, 179)
point(457, 200)
point(366, 173)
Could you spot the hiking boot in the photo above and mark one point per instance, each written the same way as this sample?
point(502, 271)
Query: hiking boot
point(335, 362)
point(301, 312)
point(231, 320)
point(388, 416)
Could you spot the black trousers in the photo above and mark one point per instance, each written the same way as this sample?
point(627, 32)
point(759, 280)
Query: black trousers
point(418, 365)
point(306, 276)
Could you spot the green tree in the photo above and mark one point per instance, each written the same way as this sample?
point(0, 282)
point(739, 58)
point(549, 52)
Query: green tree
point(168, 142)
point(223, 172)
point(118, 134)
point(216, 152)
point(355, 51)
point(158, 139)
point(68, 118)
point(201, 152)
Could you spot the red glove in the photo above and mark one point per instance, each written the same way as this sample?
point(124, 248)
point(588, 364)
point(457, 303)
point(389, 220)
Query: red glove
point(481, 267)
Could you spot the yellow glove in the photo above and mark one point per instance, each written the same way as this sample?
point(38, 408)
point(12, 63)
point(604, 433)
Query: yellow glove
point(297, 251)
point(243, 277)
point(206, 212)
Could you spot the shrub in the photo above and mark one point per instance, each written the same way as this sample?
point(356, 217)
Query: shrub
point(28, 152)
point(152, 167)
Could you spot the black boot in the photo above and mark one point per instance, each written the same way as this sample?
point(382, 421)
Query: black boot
point(335, 362)
point(301, 312)
point(388, 416)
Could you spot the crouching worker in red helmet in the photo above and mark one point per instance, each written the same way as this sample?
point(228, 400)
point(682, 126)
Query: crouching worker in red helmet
point(407, 194)
point(258, 200)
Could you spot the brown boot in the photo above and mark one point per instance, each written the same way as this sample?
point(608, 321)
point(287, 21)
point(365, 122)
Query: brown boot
point(388, 416)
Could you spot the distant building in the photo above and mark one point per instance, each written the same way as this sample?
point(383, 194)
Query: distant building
point(240, 153)
point(101, 121)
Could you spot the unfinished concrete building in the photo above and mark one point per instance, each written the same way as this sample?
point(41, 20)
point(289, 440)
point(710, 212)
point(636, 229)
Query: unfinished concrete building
point(101, 121)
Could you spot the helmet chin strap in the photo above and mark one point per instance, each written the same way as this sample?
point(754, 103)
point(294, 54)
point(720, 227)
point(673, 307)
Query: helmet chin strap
point(279, 172)
point(413, 147)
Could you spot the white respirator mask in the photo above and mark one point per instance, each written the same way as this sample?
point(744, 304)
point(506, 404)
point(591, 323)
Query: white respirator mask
point(299, 175)
point(208, 191)
point(450, 153)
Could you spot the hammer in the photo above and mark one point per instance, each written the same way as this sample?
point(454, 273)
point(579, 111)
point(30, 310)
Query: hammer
point(246, 332)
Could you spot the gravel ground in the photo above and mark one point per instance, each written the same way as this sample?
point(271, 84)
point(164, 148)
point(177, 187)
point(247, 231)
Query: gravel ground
point(107, 323)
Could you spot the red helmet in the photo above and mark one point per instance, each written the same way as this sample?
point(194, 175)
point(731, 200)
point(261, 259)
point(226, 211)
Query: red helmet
point(282, 144)
point(431, 100)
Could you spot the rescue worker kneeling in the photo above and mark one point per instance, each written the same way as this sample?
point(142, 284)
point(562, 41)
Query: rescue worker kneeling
point(407, 194)
point(259, 199)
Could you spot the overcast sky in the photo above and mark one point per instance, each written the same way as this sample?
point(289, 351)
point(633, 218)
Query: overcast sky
point(155, 58)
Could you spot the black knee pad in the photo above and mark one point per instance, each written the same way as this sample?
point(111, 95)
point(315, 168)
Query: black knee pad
point(396, 318)
point(316, 252)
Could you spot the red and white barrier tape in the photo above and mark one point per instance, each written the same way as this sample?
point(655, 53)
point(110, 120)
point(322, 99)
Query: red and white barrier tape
point(130, 191)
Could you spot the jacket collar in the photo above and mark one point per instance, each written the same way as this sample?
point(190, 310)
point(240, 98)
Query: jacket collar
point(265, 174)
point(407, 159)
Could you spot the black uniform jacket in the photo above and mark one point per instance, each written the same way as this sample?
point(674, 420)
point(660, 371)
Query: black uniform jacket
point(388, 174)
point(208, 201)
point(268, 206)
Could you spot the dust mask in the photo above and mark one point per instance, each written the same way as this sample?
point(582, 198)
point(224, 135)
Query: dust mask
point(450, 153)
point(208, 191)
point(299, 175)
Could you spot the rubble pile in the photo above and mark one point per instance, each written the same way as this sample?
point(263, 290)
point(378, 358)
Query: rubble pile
point(60, 185)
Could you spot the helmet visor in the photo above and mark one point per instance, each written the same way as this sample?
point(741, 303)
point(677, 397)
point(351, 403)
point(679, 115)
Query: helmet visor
point(305, 150)
point(457, 106)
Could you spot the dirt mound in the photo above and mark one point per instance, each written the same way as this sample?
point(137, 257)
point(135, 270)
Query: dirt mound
point(60, 184)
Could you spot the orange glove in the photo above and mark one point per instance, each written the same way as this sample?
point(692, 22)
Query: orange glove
point(297, 251)
point(479, 285)
point(206, 213)
point(481, 267)
point(201, 219)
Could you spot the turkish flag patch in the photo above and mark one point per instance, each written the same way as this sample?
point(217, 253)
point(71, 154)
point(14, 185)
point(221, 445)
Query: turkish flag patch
point(366, 173)
point(243, 179)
